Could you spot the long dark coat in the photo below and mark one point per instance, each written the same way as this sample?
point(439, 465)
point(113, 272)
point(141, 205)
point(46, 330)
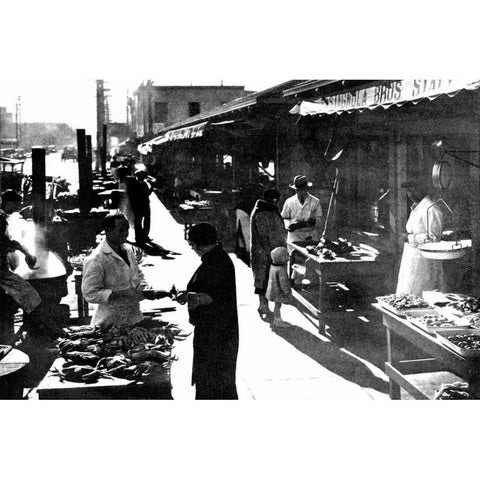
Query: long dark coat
point(215, 341)
point(267, 232)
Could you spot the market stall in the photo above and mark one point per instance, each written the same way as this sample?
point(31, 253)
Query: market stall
point(445, 330)
point(318, 272)
point(390, 131)
point(195, 211)
point(113, 362)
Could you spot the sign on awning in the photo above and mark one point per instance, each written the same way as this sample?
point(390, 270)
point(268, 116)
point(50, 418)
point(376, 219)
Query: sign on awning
point(186, 133)
point(385, 94)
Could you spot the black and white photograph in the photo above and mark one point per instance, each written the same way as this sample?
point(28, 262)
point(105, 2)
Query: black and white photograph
point(271, 203)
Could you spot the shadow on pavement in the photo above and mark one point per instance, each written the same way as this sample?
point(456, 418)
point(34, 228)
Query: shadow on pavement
point(332, 358)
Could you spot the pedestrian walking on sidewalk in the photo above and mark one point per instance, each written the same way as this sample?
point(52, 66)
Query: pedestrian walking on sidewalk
point(267, 232)
point(125, 181)
point(279, 290)
point(139, 194)
point(212, 305)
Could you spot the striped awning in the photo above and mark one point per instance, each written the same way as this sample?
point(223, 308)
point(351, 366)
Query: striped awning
point(186, 133)
point(382, 94)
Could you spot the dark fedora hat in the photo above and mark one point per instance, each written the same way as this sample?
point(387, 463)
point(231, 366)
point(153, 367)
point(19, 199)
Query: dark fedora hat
point(414, 182)
point(300, 181)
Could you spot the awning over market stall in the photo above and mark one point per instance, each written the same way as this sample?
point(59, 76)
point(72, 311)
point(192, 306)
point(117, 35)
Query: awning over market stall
point(186, 133)
point(382, 94)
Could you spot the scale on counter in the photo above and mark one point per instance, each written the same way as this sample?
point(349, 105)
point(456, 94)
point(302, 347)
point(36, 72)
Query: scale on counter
point(444, 249)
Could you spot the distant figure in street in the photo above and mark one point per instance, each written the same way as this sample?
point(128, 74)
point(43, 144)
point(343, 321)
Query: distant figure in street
point(279, 290)
point(212, 305)
point(125, 181)
point(267, 232)
point(139, 194)
point(243, 210)
point(114, 165)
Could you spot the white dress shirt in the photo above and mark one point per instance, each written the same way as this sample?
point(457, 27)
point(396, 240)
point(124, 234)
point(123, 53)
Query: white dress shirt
point(294, 211)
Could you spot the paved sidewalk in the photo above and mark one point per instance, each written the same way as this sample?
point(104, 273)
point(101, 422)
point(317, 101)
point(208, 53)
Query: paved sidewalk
point(294, 363)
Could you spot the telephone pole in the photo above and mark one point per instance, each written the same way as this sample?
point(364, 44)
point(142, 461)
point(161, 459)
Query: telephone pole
point(17, 121)
point(102, 121)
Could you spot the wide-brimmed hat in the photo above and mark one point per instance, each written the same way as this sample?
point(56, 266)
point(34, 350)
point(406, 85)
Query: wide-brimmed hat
point(300, 181)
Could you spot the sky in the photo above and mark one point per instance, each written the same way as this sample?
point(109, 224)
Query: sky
point(54, 50)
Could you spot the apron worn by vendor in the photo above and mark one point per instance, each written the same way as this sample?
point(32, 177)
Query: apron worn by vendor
point(417, 273)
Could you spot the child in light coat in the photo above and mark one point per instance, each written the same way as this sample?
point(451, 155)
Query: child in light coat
point(278, 289)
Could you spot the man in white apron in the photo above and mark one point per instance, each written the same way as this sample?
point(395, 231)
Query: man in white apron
point(417, 273)
point(303, 212)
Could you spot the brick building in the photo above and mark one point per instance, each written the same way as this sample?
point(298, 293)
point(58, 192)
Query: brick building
point(156, 107)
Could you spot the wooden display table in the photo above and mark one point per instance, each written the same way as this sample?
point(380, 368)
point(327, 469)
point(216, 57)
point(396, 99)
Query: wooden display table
point(53, 388)
point(321, 272)
point(10, 366)
point(440, 358)
point(193, 214)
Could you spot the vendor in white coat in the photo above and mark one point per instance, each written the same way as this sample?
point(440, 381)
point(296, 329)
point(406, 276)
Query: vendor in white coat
point(303, 213)
point(112, 278)
point(417, 273)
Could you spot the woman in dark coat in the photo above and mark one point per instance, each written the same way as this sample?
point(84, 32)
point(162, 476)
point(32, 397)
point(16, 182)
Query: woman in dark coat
point(267, 232)
point(212, 305)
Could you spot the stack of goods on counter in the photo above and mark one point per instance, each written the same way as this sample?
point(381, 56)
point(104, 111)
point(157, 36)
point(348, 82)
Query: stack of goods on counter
point(399, 303)
point(465, 306)
point(330, 250)
point(128, 352)
point(473, 320)
point(432, 321)
point(198, 203)
point(452, 391)
point(77, 261)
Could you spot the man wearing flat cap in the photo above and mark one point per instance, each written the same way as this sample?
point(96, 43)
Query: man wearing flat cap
point(303, 212)
point(417, 273)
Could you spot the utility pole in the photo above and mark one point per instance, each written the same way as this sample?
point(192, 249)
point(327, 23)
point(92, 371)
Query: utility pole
point(17, 121)
point(128, 126)
point(100, 123)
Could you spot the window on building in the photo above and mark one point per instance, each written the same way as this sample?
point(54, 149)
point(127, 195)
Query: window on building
point(160, 112)
point(193, 108)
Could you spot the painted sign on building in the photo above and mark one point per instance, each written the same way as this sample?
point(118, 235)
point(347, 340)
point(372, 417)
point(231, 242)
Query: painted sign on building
point(384, 94)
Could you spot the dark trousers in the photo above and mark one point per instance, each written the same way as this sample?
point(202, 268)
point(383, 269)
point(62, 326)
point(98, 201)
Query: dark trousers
point(215, 391)
point(141, 220)
point(8, 308)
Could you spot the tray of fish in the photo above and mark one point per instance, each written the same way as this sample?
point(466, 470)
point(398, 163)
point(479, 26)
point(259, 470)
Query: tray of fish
point(431, 321)
point(401, 303)
point(464, 341)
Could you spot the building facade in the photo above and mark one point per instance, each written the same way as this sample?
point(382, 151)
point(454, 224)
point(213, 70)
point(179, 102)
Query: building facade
point(7, 126)
point(156, 107)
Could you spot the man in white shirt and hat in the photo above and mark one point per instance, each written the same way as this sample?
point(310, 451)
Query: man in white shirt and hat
point(303, 213)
